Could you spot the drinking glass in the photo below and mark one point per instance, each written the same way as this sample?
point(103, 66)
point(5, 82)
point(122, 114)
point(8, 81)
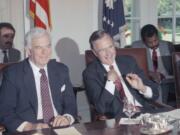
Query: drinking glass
point(129, 109)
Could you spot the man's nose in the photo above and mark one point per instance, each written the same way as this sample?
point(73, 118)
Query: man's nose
point(154, 43)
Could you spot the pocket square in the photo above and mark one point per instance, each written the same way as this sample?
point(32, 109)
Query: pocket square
point(63, 88)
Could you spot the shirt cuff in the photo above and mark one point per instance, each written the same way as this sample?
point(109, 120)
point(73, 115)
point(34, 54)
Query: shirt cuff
point(70, 117)
point(21, 127)
point(110, 87)
point(148, 92)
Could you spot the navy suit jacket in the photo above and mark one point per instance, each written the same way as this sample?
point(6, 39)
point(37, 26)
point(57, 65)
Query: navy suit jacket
point(18, 98)
point(95, 77)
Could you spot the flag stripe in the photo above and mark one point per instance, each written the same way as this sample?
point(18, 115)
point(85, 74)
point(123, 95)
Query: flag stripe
point(40, 12)
point(32, 8)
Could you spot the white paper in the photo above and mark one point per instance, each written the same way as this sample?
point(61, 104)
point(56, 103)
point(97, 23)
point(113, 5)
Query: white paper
point(174, 113)
point(126, 121)
point(67, 131)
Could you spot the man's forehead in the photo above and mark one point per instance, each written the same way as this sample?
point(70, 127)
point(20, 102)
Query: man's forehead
point(6, 31)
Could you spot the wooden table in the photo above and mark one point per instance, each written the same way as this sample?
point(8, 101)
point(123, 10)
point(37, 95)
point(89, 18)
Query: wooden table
point(108, 127)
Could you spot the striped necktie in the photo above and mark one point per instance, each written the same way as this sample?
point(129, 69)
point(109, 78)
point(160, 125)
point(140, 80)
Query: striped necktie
point(118, 85)
point(45, 96)
point(155, 60)
point(5, 60)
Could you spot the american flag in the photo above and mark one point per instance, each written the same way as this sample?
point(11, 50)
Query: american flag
point(113, 16)
point(40, 12)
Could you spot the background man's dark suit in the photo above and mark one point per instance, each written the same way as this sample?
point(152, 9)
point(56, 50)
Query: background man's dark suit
point(14, 55)
point(166, 49)
point(95, 78)
point(19, 82)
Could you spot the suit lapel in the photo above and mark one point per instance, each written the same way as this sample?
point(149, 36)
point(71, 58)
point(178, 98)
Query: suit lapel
point(124, 71)
point(30, 87)
point(55, 83)
point(102, 73)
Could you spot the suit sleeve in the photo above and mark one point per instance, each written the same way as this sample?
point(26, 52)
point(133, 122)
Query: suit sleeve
point(8, 101)
point(69, 100)
point(146, 81)
point(96, 92)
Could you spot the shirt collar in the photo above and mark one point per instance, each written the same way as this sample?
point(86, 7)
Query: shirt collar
point(35, 68)
point(107, 66)
point(7, 50)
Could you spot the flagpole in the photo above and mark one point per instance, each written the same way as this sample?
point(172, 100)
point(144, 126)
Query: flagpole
point(26, 20)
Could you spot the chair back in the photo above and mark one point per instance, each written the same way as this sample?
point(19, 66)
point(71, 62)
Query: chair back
point(139, 54)
point(176, 70)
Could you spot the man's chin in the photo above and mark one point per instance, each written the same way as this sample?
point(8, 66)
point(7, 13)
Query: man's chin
point(109, 62)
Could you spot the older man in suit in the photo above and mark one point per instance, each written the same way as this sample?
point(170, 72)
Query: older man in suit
point(37, 92)
point(159, 54)
point(7, 52)
point(110, 80)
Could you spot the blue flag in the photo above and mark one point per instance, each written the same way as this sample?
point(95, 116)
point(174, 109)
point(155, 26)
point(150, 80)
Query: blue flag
point(113, 16)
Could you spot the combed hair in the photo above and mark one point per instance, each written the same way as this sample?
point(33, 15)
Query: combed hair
point(35, 33)
point(6, 25)
point(148, 31)
point(97, 35)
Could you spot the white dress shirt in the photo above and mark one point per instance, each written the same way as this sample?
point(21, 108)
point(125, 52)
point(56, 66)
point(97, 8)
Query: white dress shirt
point(110, 86)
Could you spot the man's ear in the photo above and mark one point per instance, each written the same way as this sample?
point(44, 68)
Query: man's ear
point(28, 51)
point(94, 52)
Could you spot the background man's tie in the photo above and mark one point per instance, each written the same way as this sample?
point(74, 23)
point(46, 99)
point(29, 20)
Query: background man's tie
point(5, 60)
point(118, 85)
point(45, 95)
point(155, 60)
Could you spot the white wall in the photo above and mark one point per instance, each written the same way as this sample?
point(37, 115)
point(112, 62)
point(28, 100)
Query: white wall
point(73, 21)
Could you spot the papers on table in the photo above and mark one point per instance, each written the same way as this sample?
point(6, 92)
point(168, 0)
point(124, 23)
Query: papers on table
point(126, 121)
point(173, 114)
point(67, 131)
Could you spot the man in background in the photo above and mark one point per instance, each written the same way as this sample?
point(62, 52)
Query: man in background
point(159, 55)
point(37, 93)
point(7, 52)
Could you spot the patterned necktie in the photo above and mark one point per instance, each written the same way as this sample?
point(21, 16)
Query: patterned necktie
point(45, 95)
point(155, 60)
point(5, 60)
point(118, 85)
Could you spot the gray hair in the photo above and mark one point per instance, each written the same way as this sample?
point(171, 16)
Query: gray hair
point(35, 33)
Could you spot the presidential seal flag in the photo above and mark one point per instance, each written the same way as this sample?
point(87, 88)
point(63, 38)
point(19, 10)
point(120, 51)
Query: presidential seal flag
point(113, 17)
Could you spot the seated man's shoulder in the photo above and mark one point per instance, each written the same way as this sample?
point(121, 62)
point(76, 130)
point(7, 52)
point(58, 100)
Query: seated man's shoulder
point(57, 65)
point(164, 42)
point(137, 44)
point(15, 50)
point(92, 67)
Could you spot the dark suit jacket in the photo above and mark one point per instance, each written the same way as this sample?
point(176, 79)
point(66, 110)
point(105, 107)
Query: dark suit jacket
point(18, 98)
point(166, 49)
point(14, 55)
point(95, 78)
